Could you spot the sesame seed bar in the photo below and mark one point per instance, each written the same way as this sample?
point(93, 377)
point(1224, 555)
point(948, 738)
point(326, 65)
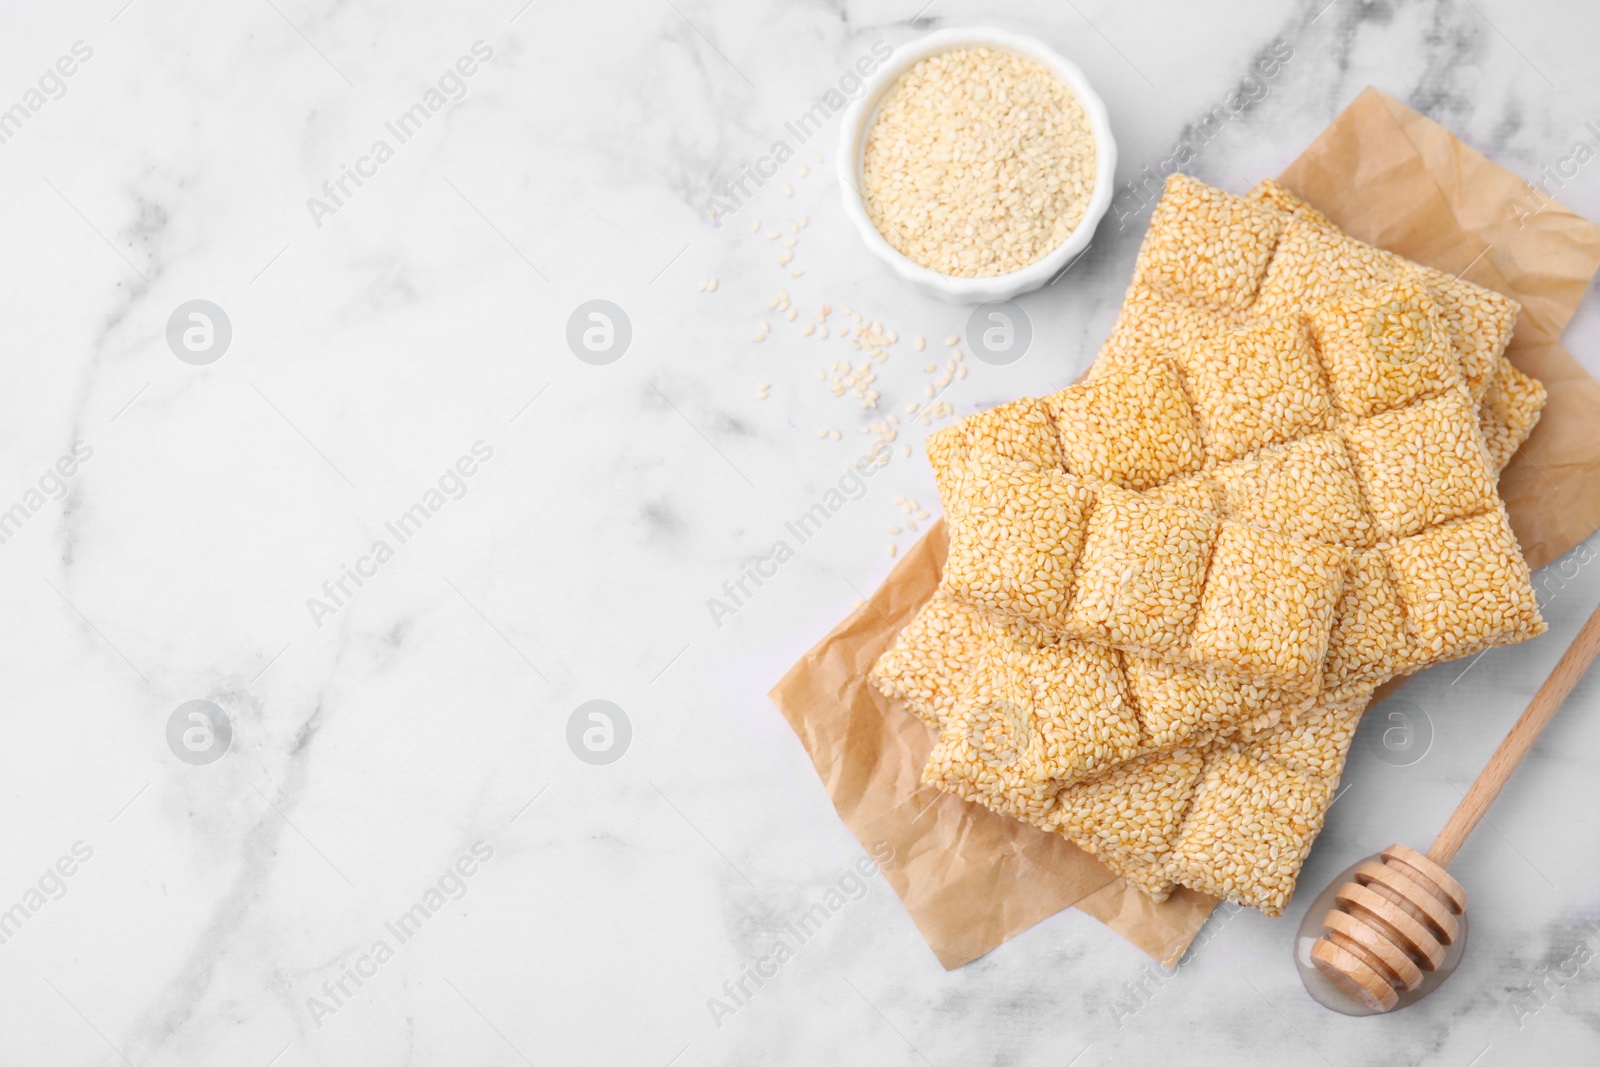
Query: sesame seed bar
point(975, 759)
point(929, 668)
point(1315, 260)
point(1213, 260)
point(1383, 415)
point(1281, 489)
point(1393, 486)
point(1388, 450)
point(1130, 814)
point(1148, 798)
point(1375, 446)
point(1109, 566)
point(1065, 704)
point(1350, 480)
point(1089, 707)
point(1234, 818)
point(931, 664)
point(1259, 806)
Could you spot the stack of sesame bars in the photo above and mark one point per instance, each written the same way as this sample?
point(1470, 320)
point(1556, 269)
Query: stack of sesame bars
point(1172, 588)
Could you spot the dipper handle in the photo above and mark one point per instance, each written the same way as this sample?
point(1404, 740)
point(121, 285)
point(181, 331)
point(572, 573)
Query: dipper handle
point(1523, 734)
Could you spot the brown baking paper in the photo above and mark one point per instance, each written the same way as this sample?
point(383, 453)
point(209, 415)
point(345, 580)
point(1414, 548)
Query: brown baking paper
point(971, 879)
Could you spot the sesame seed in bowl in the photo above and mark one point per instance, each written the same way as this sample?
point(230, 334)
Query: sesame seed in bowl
point(983, 162)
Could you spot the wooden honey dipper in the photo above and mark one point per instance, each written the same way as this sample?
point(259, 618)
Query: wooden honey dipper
point(1393, 922)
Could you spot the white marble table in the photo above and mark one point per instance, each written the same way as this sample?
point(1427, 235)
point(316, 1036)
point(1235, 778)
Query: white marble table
point(399, 771)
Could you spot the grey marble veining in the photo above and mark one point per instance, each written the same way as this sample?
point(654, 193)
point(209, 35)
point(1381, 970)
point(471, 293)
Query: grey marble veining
point(401, 857)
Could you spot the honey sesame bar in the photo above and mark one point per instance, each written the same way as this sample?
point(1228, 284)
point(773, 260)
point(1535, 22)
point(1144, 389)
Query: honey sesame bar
point(1405, 365)
point(1237, 822)
point(1112, 567)
point(1409, 461)
point(1421, 512)
point(1253, 817)
point(1259, 806)
point(930, 665)
point(1213, 260)
point(1374, 445)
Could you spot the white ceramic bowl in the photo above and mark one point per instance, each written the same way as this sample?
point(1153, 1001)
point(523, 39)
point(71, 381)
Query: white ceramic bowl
point(853, 136)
